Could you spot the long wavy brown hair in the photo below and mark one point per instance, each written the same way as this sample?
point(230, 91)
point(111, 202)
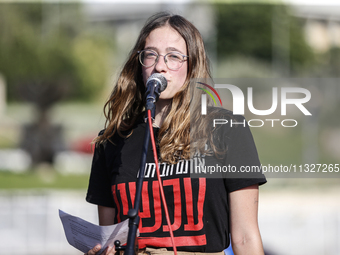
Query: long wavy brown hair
point(126, 103)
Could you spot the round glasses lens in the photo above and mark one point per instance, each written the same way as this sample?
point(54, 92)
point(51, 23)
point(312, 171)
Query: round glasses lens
point(148, 58)
point(174, 60)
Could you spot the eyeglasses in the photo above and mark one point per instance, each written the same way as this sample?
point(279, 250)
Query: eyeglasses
point(173, 60)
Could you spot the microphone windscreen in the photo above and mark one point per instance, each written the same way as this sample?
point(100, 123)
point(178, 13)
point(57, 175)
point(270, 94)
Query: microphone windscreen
point(160, 78)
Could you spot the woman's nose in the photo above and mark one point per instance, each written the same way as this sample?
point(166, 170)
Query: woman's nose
point(161, 66)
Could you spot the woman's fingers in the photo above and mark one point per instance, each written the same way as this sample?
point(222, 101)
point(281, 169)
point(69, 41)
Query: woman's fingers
point(110, 251)
point(94, 250)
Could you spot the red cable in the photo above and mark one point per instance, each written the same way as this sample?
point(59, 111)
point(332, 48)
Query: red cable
point(160, 182)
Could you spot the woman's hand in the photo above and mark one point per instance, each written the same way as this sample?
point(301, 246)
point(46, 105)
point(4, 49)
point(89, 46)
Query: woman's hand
point(94, 250)
point(108, 250)
point(106, 217)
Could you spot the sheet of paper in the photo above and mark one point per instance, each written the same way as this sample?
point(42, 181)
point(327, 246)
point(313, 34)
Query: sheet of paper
point(84, 235)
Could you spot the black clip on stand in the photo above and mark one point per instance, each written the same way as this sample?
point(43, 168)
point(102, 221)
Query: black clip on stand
point(131, 247)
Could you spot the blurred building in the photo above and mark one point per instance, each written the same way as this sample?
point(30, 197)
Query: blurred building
point(321, 25)
point(126, 21)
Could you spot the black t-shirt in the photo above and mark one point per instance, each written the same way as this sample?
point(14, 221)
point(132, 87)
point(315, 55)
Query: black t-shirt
point(198, 206)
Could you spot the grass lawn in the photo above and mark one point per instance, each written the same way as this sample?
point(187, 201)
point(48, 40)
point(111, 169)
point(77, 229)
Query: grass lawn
point(41, 180)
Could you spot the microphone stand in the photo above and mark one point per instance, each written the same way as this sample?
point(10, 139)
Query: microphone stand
point(131, 247)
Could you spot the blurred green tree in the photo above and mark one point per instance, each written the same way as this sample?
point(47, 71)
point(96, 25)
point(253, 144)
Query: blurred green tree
point(247, 30)
point(47, 53)
point(330, 63)
point(46, 43)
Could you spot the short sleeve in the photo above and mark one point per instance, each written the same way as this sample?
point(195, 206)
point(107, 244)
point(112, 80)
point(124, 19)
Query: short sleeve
point(99, 189)
point(242, 157)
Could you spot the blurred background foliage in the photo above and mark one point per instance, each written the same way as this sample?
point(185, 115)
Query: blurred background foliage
point(58, 61)
point(48, 44)
point(247, 30)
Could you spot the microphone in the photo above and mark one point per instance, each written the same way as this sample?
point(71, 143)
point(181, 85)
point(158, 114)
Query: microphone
point(155, 84)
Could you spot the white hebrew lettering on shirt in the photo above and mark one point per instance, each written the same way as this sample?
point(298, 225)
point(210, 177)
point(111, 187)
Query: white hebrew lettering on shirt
point(182, 167)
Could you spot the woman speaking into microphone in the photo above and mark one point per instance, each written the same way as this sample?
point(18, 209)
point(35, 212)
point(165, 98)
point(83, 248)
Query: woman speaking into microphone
point(205, 213)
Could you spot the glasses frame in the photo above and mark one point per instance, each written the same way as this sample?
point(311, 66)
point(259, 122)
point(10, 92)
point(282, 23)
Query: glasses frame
point(164, 56)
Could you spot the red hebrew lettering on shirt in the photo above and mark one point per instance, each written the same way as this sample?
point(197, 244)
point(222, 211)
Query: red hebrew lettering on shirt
point(116, 202)
point(190, 219)
point(198, 240)
point(146, 210)
point(191, 226)
point(123, 197)
point(132, 189)
point(177, 204)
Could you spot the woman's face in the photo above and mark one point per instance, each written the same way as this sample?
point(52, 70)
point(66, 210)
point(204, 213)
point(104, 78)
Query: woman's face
point(164, 40)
